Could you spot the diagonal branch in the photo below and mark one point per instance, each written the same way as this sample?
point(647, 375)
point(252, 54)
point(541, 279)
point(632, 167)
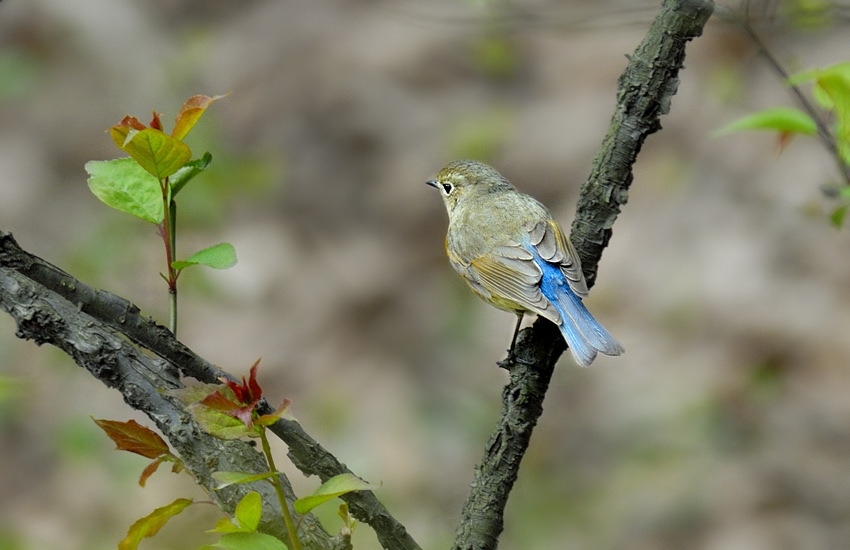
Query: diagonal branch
point(50, 306)
point(644, 93)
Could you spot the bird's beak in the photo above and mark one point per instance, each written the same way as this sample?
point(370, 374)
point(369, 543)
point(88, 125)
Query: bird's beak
point(432, 183)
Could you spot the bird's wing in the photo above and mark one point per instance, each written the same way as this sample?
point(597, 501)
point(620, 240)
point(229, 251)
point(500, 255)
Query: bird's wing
point(511, 280)
point(554, 247)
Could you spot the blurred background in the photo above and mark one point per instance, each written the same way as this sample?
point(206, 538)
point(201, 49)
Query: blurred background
point(725, 425)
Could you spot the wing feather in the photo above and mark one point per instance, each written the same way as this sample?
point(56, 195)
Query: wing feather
point(554, 247)
point(513, 283)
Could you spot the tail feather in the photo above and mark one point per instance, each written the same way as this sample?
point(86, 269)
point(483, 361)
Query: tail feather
point(594, 335)
point(582, 351)
point(584, 335)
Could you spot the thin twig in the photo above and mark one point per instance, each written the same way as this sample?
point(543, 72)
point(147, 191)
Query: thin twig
point(823, 130)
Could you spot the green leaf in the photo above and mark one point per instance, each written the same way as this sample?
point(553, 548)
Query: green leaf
point(840, 71)
point(219, 256)
point(156, 151)
point(220, 425)
point(188, 171)
point(332, 488)
point(192, 394)
point(224, 525)
point(838, 215)
point(837, 88)
point(249, 511)
point(247, 541)
point(226, 479)
point(126, 186)
point(832, 92)
point(781, 119)
point(150, 525)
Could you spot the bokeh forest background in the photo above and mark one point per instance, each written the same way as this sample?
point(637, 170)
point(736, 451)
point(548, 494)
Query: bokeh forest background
point(725, 426)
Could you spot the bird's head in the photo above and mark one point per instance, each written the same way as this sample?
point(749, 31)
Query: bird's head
point(464, 180)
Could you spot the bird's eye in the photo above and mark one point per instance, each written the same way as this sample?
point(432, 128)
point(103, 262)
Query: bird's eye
point(447, 188)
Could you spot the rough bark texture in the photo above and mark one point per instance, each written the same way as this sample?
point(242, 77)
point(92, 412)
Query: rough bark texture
point(93, 327)
point(644, 94)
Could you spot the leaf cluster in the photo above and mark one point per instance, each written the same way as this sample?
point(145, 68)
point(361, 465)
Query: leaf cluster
point(831, 93)
point(227, 411)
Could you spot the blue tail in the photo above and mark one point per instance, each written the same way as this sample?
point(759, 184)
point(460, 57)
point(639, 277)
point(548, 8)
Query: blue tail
point(584, 335)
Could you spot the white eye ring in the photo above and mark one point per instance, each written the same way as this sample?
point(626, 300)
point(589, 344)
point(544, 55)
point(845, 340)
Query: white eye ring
point(447, 188)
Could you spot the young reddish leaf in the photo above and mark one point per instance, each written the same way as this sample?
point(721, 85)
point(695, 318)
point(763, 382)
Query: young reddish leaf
point(245, 414)
point(253, 386)
point(132, 436)
point(269, 419)
point(247, 392)
point(157, 152)
point(156, 123)
point(132, 123)
point(239, 390)
point(218, 402)
point(334, 487)
point(190, 112)
point(149, 470)
point(150, 525)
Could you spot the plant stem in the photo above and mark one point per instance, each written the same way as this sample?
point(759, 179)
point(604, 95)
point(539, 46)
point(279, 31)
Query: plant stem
point(287, 517)
point(169, 237)
point(172, 274)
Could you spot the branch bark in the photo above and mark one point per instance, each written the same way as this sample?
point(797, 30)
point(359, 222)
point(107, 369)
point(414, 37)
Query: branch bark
point(644, 93)
point(51, 306)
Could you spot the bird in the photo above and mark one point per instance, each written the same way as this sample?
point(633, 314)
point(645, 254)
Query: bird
point(512, 253)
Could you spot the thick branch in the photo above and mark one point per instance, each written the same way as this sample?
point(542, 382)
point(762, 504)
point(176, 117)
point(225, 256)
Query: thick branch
point(51, 306)
point(645, 90)
point(644, 93)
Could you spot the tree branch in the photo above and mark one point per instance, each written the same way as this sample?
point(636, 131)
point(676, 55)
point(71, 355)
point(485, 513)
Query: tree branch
point(50, 306)
point(644, 93)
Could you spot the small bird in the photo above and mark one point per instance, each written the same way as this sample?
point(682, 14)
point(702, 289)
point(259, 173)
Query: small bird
point(511, 252)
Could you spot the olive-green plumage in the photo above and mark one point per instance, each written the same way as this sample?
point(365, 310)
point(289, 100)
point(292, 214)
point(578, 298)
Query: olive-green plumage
point(512, 253)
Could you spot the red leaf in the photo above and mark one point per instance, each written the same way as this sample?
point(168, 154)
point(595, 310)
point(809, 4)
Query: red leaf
point(238, 389)
point(149, 470)
point(269, 419)
point(245, 414)
point(217, 402)
point(155, 122)
point(132, 436)
point(189, 114)
point(784, 139)
point(131, 122)
point(254, 388)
